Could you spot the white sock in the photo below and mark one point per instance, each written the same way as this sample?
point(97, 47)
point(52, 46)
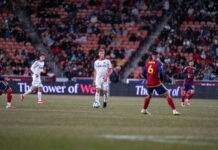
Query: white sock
point(105, 97)
point(39, 96)
point(97, 96)
point(9, 104)
point(27, 92)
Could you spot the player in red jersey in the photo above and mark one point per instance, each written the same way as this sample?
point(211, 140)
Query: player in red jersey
point(189, 74)
point(4, 86)
point(154, 74)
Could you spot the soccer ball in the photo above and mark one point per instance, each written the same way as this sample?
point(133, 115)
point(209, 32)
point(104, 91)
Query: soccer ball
point(96, 104)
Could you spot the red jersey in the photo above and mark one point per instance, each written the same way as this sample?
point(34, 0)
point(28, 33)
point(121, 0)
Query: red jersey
point(189, 74)
point(153, 73)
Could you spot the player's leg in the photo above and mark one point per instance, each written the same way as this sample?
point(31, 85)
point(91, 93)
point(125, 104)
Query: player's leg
point(97, 93)
point(40, 101)
point(30, 90)
point(105, 91)
point(105, 99)
point(163, 90)
point(185, 90)
point(97, 97)
point(190, 96)
point(171, 103)
point(9, 99)
point(147, 101)
point(35, 83)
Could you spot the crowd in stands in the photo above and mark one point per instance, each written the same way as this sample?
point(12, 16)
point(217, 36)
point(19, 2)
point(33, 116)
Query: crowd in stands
point(74, 30)
point(191, 34)
point(16, 51)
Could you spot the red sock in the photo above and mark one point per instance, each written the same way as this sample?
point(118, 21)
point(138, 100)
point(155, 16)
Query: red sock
point(171, 103)
point(9, 96)
point(190, 96)
point(183, 98)
point(146, 103)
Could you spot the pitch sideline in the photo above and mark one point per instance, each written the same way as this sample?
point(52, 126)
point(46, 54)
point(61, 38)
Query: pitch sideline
point(165, 139)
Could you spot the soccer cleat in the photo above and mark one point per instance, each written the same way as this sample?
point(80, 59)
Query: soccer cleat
point(175, 112)
point(10, 107)
point(41, 102)
point(188, 102)
point(145, 111)
point(182, 104)
point(21, 97)
point(104, 104)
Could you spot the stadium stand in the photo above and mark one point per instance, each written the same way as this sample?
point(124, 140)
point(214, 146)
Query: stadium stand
point(189, 35)
point(74, 30)
point(16, 51)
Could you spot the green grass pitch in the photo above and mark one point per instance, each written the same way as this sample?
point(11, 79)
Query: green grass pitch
point(70, 123)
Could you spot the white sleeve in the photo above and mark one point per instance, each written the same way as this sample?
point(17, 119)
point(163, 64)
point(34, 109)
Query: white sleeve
point(41, 70)
point(109, 64)
point(95, 65)
point(34, 67)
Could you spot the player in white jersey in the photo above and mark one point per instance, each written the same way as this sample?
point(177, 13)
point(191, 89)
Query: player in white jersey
point(102, 72)
point(36, 68)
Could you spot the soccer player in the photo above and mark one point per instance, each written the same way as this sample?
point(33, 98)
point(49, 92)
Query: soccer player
point(154, 74)
point(102, 72)
point(189, 74)
point(4, 86)
point(36, 68)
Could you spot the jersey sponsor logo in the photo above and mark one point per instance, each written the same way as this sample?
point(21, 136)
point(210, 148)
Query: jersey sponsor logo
point(101, 66)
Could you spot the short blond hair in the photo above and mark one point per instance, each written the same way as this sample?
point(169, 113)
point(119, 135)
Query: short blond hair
point(101, 50)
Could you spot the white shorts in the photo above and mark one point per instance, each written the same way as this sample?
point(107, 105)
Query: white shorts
point(100, 84)
point(37, 82)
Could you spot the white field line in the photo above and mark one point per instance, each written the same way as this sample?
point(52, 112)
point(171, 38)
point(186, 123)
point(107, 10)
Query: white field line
point(165, 139)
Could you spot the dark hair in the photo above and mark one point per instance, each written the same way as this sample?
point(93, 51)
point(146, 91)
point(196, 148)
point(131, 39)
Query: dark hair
point(154, 53)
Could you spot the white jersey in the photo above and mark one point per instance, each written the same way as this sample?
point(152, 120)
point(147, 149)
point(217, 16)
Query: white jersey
point(37, 67)
point(101, 67)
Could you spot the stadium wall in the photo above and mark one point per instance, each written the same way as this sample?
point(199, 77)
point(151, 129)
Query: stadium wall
point(116, 89)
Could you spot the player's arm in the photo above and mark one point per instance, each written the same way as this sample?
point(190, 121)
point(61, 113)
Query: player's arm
point(184, 73)
point(144, 72)
point(110, 70)
point(194, 74)
point(34, 68)
point(94, 74)
point(160, 71)
point(94, 78)
point(44, 70)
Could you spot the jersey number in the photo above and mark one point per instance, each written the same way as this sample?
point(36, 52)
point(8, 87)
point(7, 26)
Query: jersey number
point(150, 69)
